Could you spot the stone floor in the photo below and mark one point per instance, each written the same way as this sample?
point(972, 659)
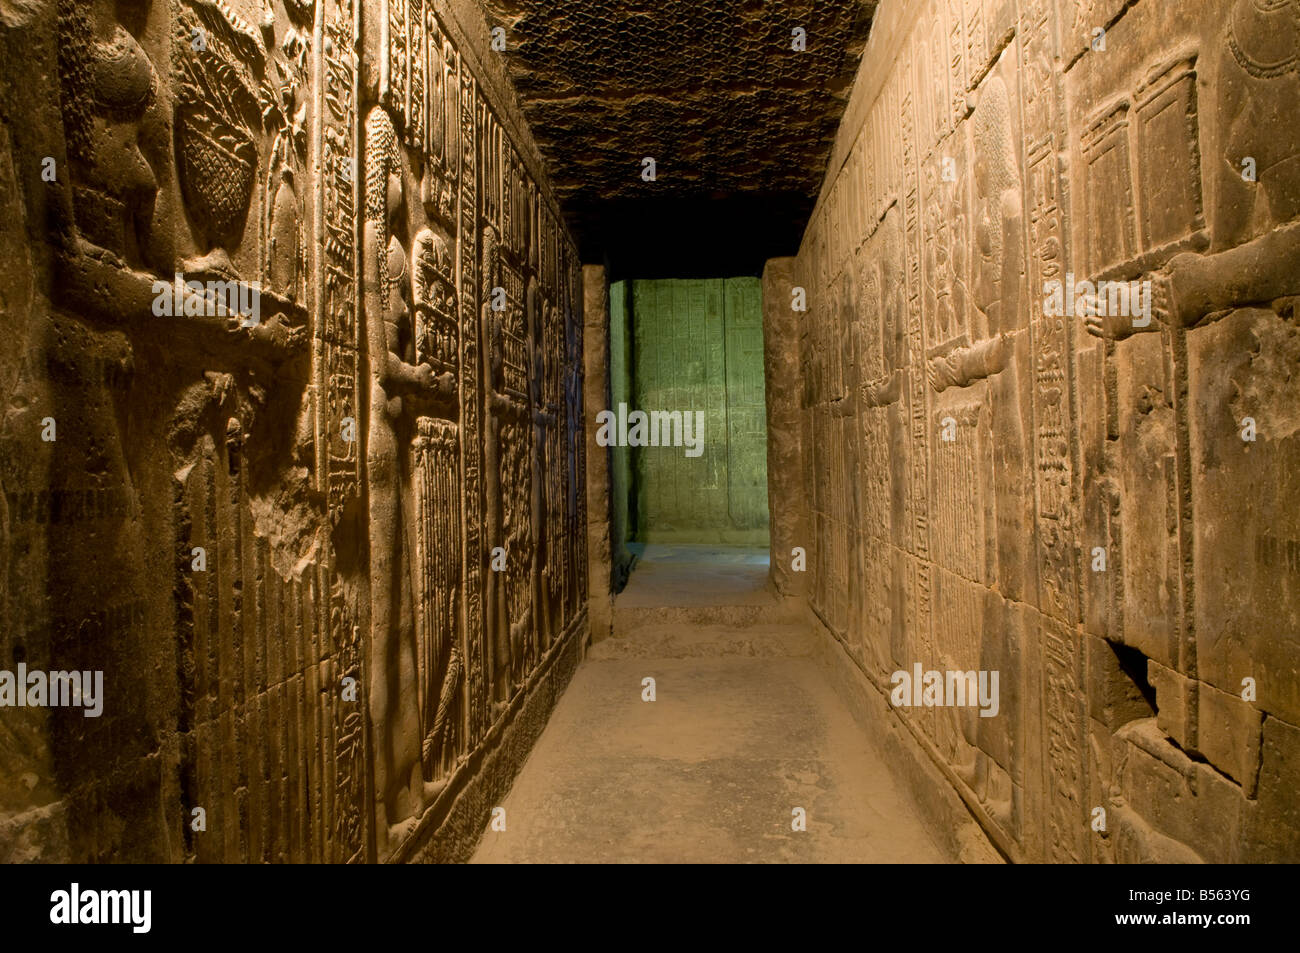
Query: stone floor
point(684, 574)
point(744, 728)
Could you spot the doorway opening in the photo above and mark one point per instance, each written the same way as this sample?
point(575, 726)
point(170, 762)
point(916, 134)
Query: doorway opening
point(688, 429)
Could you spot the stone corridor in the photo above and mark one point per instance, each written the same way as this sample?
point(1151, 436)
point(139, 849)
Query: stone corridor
point(744, 728)
point(743, 731)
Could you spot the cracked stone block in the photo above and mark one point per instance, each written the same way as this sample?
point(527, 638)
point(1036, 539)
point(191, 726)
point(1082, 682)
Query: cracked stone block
point(1175, 698)
point(1228, 735)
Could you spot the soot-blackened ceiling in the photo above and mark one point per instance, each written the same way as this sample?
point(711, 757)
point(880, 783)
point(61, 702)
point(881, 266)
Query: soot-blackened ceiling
point(738, 122)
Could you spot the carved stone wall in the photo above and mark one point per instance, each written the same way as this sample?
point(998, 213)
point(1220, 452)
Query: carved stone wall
point(272, 529)
point(1100, 511)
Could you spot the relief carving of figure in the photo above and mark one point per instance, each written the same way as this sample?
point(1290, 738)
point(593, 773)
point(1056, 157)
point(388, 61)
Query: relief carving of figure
point(1253, 259)
point(999, 259)
point(884, 313)
point(109, 90)
point(438, 501)
point(1000, 355)
point(399, 791)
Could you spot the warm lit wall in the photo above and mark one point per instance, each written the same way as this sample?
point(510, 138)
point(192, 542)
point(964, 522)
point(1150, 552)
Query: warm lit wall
point(986, 151)
point(332, 679)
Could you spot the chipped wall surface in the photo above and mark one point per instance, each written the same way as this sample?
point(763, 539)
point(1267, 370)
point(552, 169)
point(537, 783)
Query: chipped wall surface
point(276, 537)
point(698, 349)
point(1077, 502)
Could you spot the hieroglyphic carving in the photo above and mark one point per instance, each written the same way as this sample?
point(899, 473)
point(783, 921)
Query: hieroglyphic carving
point(918, 571)
point(395, 53)
point(576, 520)
point(442, 134)
point(194, 139)
point(1063, 739)
point(436, 461)
point(336, 329)
point(350, 750)
point(956, 61)
point(1055, 410)
point(335, 122)
point(478, 638)
point(1063, 443)
point(285, 104)
point(1054, 397)
point(216, 58)
point(417, 90)
point(934, 68)
point(977, 48)
point(918, 536)
point(916, 504)
point(548, 414)
point(1080, 25)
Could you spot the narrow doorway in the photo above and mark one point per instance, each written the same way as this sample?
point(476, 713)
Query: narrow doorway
point(689, 462)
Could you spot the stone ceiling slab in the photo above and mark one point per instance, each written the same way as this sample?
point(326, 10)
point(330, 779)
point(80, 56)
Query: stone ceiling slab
point(739, 123)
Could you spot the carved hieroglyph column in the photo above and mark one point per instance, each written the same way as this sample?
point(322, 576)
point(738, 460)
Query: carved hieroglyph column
point(785, 494)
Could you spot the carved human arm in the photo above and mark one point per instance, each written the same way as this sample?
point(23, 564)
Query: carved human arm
point(373, 260)
point(407, 378)
point(1194, 288)
point(1257, 272)
point(965, 365)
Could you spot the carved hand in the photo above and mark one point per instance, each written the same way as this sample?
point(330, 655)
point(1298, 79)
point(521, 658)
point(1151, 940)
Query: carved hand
point(886, 389)
point(1120, 326)
point(423, 377)
point(445, 384)
point(999, 355)
point(942, 373)
point(1173, 297)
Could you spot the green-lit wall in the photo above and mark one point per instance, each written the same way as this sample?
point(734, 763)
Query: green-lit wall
point(698, 345)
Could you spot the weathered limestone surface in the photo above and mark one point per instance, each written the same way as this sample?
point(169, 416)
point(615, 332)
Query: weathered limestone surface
point(1075, 501)
point(276, 537)
point(596, 394)
point(785, 491)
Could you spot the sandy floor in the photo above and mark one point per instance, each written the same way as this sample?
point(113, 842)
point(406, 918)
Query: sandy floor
point(743, 730)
